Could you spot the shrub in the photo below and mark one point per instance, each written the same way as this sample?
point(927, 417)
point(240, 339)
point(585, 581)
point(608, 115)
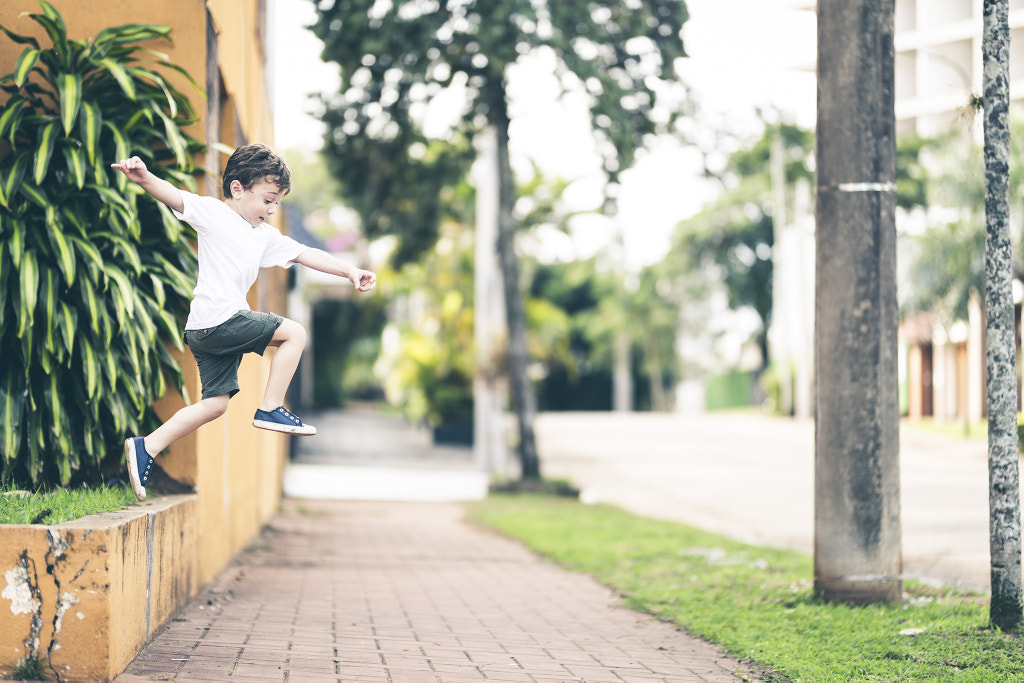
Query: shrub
point(94, 274)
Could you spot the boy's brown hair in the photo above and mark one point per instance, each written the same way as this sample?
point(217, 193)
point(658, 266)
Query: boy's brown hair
point(250, 164)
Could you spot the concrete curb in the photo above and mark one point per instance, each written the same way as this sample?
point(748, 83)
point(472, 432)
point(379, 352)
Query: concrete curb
point(87, 595)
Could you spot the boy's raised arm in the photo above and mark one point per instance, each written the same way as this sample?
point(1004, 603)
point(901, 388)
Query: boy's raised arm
point(161, 190)
point(318, 259)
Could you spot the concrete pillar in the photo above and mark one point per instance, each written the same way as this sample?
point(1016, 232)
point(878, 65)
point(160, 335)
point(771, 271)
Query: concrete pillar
point(857, 556)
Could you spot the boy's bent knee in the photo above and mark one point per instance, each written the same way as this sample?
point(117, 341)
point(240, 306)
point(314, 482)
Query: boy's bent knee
point(215, 406)
point(289, 331)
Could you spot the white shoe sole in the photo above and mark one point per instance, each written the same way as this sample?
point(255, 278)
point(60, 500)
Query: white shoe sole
point(304, 430)
point(133, 469)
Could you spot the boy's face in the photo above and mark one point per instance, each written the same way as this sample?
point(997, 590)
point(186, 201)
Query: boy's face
point(257, 204)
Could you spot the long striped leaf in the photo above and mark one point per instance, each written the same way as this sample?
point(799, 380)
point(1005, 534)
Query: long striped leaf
point(59, 428)
point(76, 164)
point(29, 290)
point(188, 77)
point(45, 361)
point(121, 148)
point(112, 37)
point(47, 138)
point(110, 197)
point(36, 195)
point(69, 86)
point(174, 139)
point(12, 425)
point(26, 60)
point(11, 181)
point(136, 118)
point(51, 21)
point(91, 302)
point(125, 288)
point(90, 127)
point(91, 366)
point(17, 242)
point(12, 402)
point(94, 260)
point(14, 109)
point(156, 384)
point(68, 324)
point(171, 224)
point(113, 402)
point(34, 464)
point(121, 151)
point(72, 218)
point(49, 305)
point(155, 78)
point(22, 40)
point(120, 74)
point(131, 33)
point(126, 248)
point(181, 283)
point(110, 369)
point(147, 328)
point(131, 343)
point(4, 270)
point(65, 257)
point(158, 291)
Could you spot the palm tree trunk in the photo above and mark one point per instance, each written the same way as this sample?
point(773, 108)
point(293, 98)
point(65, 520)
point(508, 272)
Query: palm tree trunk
point(523, 400)
point(1001, 354)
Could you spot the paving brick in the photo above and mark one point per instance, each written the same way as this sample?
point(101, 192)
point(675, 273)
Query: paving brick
point(263, 671)
point(401, 592)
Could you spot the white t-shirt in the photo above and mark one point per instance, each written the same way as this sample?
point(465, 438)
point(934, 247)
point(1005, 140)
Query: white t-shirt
point(231, 253)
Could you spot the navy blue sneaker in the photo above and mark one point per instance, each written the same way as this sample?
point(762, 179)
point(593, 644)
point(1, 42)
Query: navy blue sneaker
point(281, 420)
point(140, 465)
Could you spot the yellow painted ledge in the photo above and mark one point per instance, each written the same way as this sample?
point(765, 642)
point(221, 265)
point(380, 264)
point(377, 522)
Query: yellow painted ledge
point(87, 595)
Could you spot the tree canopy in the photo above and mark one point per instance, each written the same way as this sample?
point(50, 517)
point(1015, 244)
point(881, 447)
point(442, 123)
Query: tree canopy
point(404, 63)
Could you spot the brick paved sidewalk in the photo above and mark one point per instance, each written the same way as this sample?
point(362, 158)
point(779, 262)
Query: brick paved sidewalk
point(371, 591)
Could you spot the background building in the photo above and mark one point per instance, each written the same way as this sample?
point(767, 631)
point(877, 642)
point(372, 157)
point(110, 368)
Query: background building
point(938, 60)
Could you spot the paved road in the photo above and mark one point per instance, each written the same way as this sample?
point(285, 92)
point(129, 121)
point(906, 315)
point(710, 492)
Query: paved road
point(752, 477)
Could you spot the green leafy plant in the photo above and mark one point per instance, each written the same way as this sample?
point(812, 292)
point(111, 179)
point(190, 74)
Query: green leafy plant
point(93, 272)
point(429, 373)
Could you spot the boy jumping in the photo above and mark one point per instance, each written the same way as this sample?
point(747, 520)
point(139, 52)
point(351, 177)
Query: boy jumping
point(235, 241)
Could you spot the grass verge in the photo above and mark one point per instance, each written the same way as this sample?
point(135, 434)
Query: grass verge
point(758, 603)
point(62, 505)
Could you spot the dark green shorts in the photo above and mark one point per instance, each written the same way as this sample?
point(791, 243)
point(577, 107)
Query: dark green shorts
point(218, 350)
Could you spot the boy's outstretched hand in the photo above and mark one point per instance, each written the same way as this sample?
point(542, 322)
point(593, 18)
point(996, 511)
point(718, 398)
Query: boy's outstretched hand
point(364, 280)
point(134, 168)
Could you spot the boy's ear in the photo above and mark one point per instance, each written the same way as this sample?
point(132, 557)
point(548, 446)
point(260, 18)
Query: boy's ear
point(236, 189)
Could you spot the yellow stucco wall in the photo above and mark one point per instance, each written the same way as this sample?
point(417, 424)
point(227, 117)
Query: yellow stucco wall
point(235, 468)
point(85, 596)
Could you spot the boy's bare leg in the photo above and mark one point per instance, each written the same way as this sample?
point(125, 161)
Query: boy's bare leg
point(186, 421)
point(290, 340)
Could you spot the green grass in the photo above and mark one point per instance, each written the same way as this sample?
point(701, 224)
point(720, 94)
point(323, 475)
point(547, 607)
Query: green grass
point(758, 603)
point(62, 505)
point(29, 668)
